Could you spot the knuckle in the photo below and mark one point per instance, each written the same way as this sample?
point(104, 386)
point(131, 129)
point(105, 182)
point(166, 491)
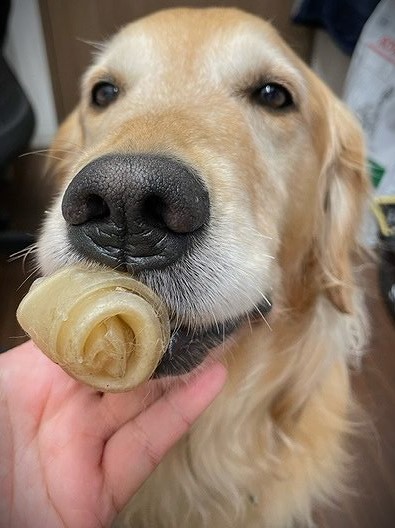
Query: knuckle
point(186, 422)
point(151, 453)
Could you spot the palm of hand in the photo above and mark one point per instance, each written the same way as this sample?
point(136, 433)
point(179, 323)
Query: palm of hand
point(72, 457)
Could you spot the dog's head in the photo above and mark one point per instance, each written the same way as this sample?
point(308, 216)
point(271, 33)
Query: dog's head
point(207, 160)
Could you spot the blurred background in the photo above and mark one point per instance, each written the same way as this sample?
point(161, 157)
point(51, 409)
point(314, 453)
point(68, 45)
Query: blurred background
point(349, 43)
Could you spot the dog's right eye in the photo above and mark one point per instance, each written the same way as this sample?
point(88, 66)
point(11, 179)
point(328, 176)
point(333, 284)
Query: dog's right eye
point(103, 94)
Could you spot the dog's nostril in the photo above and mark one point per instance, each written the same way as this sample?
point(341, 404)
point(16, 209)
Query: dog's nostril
point(82, 208)
point(96, 207)
point(153, 210)
point(171, 214)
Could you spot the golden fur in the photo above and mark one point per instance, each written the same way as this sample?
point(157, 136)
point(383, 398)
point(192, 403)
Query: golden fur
point(286, 192)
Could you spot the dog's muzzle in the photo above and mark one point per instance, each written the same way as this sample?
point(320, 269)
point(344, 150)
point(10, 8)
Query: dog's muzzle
point(141, 213)
point(135, 212)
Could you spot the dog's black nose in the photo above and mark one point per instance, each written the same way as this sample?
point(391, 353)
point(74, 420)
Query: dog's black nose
point(135, 212)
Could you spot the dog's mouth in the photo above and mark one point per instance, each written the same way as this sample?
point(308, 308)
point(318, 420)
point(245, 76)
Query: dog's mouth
point(189, 348)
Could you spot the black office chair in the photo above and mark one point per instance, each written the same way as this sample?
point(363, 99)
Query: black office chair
point(16, 129)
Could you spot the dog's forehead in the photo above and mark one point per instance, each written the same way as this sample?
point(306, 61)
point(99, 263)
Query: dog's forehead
point(215, 43)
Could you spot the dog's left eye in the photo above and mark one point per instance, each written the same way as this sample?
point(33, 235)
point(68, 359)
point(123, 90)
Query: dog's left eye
point(103, 94)
point(274, 96)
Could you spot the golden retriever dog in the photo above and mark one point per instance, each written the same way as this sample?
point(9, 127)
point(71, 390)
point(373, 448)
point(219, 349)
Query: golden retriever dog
point(207, 160)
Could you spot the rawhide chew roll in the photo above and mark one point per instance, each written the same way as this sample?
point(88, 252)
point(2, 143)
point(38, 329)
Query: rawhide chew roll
point(101, 326)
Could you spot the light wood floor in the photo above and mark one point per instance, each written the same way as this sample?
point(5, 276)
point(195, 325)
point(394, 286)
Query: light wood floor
point(371, 503)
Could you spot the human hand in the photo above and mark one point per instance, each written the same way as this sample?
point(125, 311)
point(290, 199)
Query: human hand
point(72, 457)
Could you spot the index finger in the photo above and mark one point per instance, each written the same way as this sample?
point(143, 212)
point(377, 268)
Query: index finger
point(134, 451)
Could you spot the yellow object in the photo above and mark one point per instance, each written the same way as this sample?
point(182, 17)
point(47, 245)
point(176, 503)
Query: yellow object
point(102, 327)
point(379, 205)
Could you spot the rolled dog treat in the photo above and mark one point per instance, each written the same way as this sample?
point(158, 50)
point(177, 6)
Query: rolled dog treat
point(101, 326)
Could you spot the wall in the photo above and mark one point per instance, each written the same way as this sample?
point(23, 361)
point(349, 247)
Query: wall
point(329, 62)
point(25, 52)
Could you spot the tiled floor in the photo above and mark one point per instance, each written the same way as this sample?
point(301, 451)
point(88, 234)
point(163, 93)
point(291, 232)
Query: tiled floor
point(371, 503)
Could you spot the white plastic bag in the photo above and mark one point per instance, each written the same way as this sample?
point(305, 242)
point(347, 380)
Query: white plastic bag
point(370, 92)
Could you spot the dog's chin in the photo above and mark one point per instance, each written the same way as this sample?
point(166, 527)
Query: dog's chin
point(189, 348)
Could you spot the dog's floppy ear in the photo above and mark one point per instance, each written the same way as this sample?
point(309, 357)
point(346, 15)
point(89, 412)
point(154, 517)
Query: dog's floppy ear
point(66, 145)
point(343, 192)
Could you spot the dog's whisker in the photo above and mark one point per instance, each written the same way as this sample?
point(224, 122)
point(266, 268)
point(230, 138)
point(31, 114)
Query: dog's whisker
point(73, 147)
point(252, 230)
point(256, 306)
point(33, 272)
point(30, 253)
point(224, 336)
point(264, 318)
point(34, 152)
point(46, 151)
point(259, 312)
point(216, 324)
point(120, 265)
point(49, 153)
point(265, 298)
point(249, 321)
point(97, 45)
point(23, 252)
point(44, 155)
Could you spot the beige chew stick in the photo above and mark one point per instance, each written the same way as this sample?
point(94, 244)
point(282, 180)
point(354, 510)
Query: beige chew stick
point(101, 326)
